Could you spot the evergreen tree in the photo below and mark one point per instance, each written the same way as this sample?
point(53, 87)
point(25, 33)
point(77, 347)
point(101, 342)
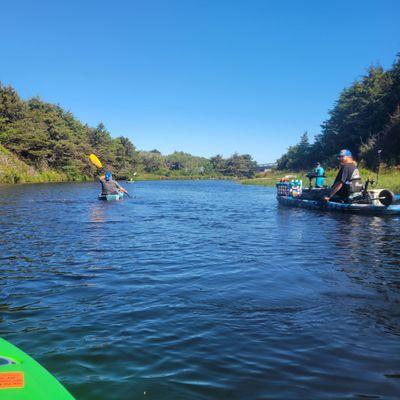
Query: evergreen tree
point(364, 119)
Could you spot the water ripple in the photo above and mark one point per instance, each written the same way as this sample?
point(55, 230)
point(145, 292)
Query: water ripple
point(200, 290)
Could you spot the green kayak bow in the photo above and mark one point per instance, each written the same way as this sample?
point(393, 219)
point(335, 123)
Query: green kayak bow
point(22, 378)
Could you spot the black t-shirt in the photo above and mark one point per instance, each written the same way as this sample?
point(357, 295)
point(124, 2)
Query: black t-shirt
point(345, 173)
point(350, 177)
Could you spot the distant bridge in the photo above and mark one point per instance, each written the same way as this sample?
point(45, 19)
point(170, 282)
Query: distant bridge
point(265, 167)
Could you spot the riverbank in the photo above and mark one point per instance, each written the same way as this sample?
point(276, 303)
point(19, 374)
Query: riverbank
point(13, 170)
point(388, 178)
point(177, 177)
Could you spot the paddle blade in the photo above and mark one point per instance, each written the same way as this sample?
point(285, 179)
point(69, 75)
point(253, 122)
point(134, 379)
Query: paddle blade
point(95, 161)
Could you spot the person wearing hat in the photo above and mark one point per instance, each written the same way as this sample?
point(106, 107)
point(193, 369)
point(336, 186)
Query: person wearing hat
point(109, 186)
point(348, 179)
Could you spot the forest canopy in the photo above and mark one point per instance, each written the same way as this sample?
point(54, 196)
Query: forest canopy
point(48, 138)
point(365, 119)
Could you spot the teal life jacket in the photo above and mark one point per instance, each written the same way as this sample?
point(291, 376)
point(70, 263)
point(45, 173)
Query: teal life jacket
point(320, 177)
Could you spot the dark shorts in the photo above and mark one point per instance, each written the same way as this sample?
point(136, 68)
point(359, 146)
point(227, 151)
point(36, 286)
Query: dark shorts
point(315, 194)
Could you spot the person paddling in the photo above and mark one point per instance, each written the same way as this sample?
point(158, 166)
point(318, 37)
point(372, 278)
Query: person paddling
point(348, 179)
point(109, 186)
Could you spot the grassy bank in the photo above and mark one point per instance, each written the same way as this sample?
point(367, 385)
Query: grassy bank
point(176, 176)
point(13, 170)
point(388, 178)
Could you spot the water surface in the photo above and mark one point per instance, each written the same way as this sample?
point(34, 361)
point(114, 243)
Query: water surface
point(200, 290)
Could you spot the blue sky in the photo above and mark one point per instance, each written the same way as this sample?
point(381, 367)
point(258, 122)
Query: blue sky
point(204, 77)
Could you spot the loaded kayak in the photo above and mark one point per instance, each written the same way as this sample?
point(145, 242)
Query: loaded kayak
point(22, 378)
point(377, 202)
point(111, 197)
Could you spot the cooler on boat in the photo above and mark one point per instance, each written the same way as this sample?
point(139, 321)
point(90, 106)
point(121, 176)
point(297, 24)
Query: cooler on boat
point(292, 188)
point(282, 188)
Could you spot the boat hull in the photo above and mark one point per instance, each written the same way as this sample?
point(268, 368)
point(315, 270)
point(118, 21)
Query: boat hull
point(364, 209)
point(111, 197)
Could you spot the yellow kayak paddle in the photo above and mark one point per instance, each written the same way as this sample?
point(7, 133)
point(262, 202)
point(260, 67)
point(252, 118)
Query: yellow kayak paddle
point(95, 161)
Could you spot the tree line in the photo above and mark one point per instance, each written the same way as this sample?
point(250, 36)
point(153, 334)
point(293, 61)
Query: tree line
point(47, 137)
point(364, 119)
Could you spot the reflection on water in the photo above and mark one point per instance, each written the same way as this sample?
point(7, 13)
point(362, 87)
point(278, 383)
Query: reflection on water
point(200, 290)
point(97, 213)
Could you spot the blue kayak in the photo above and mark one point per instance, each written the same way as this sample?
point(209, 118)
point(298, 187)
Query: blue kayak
point(354, 208)
point(111, 197)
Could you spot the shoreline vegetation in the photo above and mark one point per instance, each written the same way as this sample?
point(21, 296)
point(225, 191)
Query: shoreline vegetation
point(365, 119)
point(42, 142)
point(15, 171)
point(389, 178)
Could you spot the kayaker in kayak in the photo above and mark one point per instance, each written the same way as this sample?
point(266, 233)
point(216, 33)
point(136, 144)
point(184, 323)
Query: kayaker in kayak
point(109, 186)
point(348, 179)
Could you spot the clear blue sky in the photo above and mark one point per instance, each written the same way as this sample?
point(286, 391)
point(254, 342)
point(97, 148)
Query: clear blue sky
point(204, 77)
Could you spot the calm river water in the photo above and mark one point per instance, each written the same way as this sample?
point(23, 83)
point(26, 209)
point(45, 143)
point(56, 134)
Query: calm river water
point(200, 290)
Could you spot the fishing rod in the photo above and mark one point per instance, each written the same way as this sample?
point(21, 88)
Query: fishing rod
point(378, 166)
point(374, 182)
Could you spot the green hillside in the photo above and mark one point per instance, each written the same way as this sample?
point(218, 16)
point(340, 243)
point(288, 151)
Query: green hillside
point(13, 170)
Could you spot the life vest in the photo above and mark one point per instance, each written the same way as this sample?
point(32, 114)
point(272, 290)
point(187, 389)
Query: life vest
point(354, 184)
